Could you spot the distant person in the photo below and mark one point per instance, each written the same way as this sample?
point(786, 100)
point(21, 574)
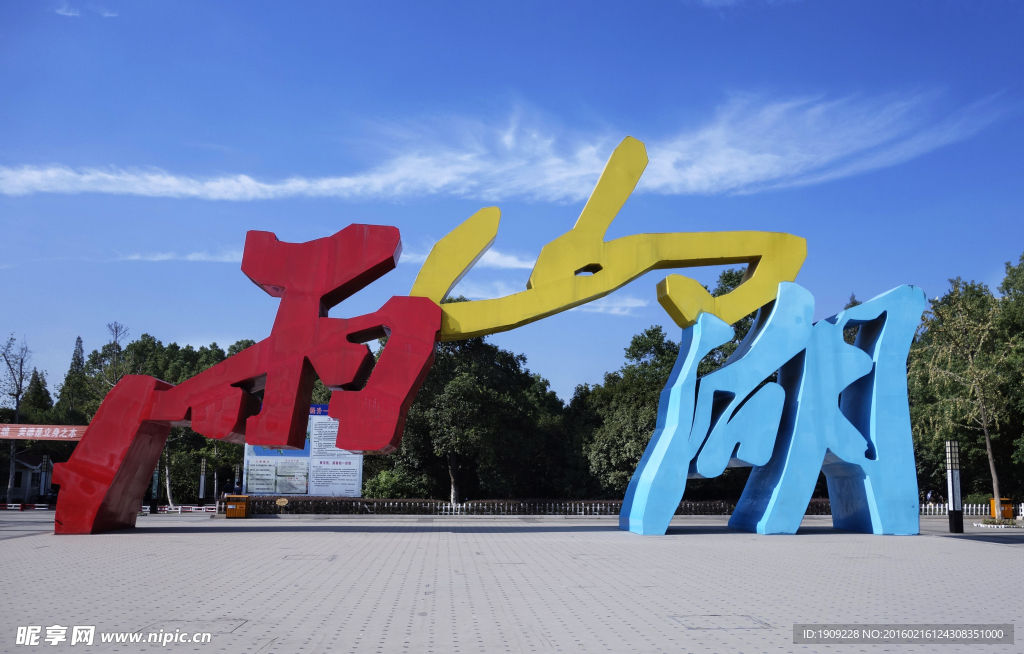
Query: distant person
point(227, 490)
point(238, 488)
point(929, 497)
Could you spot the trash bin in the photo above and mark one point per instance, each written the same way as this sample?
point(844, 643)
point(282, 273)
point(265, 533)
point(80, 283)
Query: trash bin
point(1005, 504)
point(236, 506)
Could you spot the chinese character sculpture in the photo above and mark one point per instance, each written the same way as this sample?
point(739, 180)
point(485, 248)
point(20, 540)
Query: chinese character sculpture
point(261, 395)
point(787, 430)
point(838, 408)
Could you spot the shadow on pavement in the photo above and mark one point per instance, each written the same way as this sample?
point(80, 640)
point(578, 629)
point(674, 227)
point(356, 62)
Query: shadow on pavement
point(249, 527)
point(999, 539)
point(716, 529)
point(368, 529)
point(20, 528)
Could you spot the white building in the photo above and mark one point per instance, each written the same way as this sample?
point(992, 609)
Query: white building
point(32, 476)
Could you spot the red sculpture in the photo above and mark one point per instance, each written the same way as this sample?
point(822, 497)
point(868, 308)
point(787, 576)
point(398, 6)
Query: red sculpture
point(261, 395)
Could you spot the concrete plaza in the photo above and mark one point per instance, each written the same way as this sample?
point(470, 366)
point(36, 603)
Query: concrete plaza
point(305, 584)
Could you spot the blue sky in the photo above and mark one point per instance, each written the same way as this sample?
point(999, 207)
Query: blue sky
point(140, 140)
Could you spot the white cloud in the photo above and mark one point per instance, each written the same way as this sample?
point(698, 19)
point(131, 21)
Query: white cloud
point(490, 259)
point(485, 291)
point(749, 145)
point(106, 13)
point(412, 257)
point(67, 10)
point(617, 305)
point(230, 256)
point(494, 259)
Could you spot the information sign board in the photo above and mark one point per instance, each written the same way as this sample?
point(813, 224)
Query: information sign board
point(319, 469)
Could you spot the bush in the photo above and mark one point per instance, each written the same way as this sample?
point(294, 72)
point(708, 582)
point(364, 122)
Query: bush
point(392, 484)
point(1000, 521)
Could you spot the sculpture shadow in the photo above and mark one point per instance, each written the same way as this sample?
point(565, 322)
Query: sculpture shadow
point(366, 529)
point(998, 539)
point(420, 528)
point(704, 530)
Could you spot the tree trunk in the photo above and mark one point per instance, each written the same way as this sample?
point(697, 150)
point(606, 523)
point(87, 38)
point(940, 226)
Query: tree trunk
point(14, 448)
point(10, 479)
point(167, 480)
point(991, 464)
point(453, 475)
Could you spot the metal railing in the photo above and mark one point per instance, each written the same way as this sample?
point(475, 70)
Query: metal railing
point(369, 506)
point(267, 505)
point(181, 508)
point(981, 510)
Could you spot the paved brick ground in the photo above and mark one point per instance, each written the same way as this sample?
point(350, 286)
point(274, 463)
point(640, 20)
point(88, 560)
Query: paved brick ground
point(467, 585)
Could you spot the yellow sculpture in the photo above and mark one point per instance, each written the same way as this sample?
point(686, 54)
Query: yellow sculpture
point(580, 266)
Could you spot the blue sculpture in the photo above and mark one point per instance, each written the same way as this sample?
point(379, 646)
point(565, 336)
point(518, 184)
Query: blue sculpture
point(838, 408)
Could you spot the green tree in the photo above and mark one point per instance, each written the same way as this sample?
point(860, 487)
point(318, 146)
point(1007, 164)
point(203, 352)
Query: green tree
point(460, 419)
point(185, 449)
point(479, 414)
point(482, 425)
point(37, 403)
point(728, 281)
point(1011, 327)
point(622, 413)
point(238, 346)
point(578, 423)
point(74, 394)
point(850, 333)
point(180, 462)
point(180, 465)
point(959, 371)
point(90, 378)
point(627, 405)
point(393, 483)
point(171, 363)
point(109, 364)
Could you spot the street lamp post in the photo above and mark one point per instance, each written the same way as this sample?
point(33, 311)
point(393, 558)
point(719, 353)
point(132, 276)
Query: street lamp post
point(202, 482)
point(956, 508)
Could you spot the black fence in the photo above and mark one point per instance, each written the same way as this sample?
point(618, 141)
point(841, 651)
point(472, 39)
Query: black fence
point(363, 506)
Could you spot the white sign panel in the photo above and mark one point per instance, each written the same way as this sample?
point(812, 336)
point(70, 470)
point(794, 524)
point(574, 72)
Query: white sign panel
point(260, 474)
point(340, 477)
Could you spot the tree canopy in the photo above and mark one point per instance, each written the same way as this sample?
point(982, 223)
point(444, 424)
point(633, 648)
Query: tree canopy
point(482, 425)
point(964, 382)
